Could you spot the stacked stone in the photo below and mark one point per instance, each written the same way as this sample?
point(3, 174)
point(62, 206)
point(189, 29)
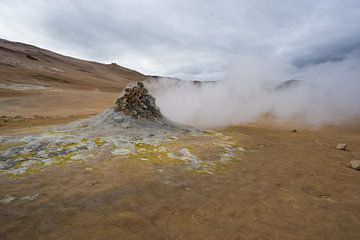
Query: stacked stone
point(138, 103)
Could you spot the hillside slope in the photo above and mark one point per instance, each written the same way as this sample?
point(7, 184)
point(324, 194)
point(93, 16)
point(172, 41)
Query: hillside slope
point(35, 81)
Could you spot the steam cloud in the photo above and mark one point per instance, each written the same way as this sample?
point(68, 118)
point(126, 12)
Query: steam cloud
point(328, 93)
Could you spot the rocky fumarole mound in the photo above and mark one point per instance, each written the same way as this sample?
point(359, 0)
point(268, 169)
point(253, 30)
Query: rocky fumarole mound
point(135, 111)
point(138, 103)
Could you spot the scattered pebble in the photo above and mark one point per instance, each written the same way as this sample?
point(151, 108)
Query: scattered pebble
point(341, 146)
point(355, 164)
point(294, 130)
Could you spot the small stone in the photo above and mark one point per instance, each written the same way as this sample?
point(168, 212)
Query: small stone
point(355, 164)
point(29, 56)
point(140, 84)
point(294, 130)
point(341, 146)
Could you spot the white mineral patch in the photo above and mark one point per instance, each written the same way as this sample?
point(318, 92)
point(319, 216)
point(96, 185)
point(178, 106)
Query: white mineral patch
point(226, 156)
point(18, 171)
point(3, 165)
point(18, 86)
point(47, 161)
point(31, 197)
point(121, 151)
point(172, 138)
point(241, 149)
point(190, 158)
point(162, 149)
point(28, 163)
point(7, 199)
point(172, 155)
point(56, 69)
point(77, 157)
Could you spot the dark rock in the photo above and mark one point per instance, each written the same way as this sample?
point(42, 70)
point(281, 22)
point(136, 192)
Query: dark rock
point(140, 84)
point(31, 57)
point(138, 103)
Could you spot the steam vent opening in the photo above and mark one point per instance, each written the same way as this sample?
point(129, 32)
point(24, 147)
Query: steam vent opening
point(138, 103)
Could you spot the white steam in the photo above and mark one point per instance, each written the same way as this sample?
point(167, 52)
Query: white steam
point(327, 94)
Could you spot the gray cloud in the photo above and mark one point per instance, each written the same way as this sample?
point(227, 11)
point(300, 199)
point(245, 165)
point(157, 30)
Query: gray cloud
point(187, 39)
point(333, 52)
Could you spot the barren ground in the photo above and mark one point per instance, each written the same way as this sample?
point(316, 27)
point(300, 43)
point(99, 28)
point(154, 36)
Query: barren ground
point(284, 186)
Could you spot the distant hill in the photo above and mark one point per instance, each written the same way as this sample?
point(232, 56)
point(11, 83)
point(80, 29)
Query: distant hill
point(35, 81)
point(26, 64)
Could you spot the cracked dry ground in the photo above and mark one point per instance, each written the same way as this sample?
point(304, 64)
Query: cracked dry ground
point(284, 186)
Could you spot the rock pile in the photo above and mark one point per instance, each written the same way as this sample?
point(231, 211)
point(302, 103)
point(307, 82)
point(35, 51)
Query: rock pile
point(138, 103)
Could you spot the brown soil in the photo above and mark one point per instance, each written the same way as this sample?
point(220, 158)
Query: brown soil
point(12, 126)
point(285, 186)
point(57, 104)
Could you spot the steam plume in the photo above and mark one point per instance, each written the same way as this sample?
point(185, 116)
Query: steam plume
point(328, 93)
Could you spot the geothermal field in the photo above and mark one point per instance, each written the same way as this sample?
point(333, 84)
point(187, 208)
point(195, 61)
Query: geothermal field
point(108, 163)
point(228, 139)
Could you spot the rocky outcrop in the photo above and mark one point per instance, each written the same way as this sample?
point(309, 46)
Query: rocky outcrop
point(138, 103)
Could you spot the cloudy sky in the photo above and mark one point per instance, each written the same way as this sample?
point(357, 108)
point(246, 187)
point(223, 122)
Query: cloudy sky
point(197, 39)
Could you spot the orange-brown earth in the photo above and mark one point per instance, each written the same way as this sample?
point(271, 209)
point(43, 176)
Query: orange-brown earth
point(286, 185)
